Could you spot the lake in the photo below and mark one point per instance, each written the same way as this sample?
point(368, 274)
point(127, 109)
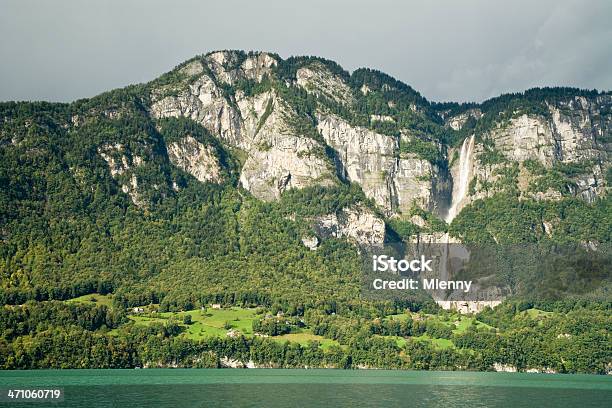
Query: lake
point(187, 388)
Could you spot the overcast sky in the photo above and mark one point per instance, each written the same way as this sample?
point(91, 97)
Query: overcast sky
point(467, 50)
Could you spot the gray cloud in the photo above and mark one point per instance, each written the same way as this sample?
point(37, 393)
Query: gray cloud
point(448, 50)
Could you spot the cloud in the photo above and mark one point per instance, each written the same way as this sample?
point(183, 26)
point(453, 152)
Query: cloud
point(448, 50)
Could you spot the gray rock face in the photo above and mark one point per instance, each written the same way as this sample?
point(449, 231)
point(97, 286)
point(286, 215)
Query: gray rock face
point(317, 79)
point(311, 242)
point(457, 122)
point(574, 133)
point(196, 159)
point(363, 157)
point(280, 155)
point(121, 166)
point(286, 162)
point(358, 224)
point(417, 182)
point(372, 160)
point(204, 102)
point(526, 137)
point(254, 67)
point(118, 162)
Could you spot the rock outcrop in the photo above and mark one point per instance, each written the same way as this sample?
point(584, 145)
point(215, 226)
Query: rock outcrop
point(358, 224)
point(121, 166)
point(279, 156)
point(317, 79)
point(196, 159)
point(363, 157)
point(311, 242)
point(572, 133)
point(395, 182)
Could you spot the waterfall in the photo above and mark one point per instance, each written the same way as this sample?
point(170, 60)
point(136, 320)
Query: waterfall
point(460, 189)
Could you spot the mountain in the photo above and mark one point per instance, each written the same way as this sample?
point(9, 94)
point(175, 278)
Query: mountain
point(383, 135)
point(248, 179)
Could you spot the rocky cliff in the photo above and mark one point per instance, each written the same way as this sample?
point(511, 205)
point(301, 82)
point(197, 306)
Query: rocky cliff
point(304, 122)
point(570, 136)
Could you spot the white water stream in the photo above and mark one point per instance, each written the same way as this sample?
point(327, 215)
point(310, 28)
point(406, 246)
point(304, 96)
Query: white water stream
point(460, 187)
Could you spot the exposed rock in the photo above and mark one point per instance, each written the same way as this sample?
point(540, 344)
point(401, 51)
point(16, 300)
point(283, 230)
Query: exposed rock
point(418, 221)
point(548, 195)
point(526, 137)
point(192, 68)
point(457, 122)
point(543, 370)
point(131, 189)
point(568, 135)
point(372, 160)
point(260, 113)
point(257, 66)
point(228, 68)
point(231, 363)
point(381, 118)
point(224, 66)
point(285, 162)
point(311, 242)
point(204, 102)
point(317, 79)
point(114, 155)
point(417, 182)
point(358, 224)
point(196, 159)
point(363, 157)
point(590, 186)
point(506, 368)
point(278, 157)
point(468, 306)
point(120, 166)
point(547, 227)
point(575, 132)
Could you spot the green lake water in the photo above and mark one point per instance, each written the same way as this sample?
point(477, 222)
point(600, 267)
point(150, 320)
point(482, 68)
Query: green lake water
point(187, 388)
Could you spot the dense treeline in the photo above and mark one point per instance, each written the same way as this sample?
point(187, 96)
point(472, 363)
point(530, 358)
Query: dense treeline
point(34, 317)
point(578, 341)
point(510, 220)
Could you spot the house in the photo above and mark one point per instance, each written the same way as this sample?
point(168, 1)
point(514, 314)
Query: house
point(216, 305)
point(138, 310)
